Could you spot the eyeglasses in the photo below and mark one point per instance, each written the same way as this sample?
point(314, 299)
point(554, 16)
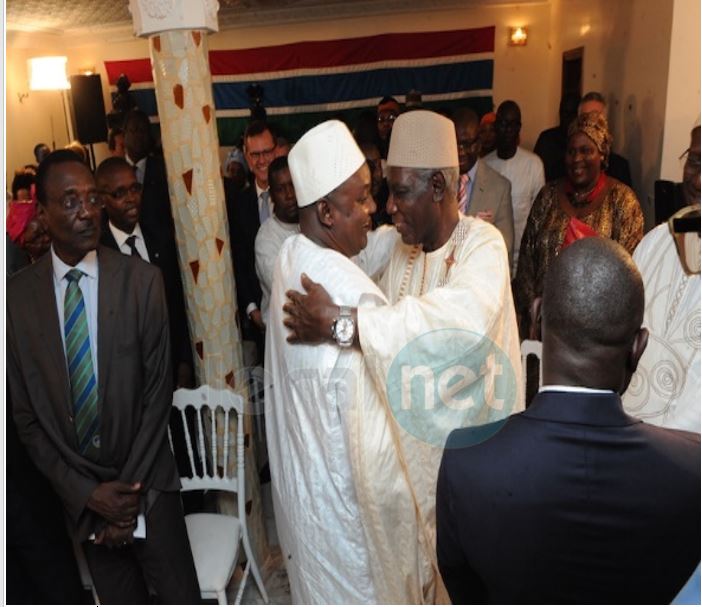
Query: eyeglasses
point(72, 201)
point(692, 160)
point(122, 191)
point(262, 154)
point(466, 144)
point(387, 118)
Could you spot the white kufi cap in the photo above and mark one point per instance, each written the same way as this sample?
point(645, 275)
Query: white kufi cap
point(323, 158)
point(423, 140)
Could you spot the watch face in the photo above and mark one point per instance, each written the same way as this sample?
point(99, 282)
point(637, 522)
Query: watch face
point(344, 329)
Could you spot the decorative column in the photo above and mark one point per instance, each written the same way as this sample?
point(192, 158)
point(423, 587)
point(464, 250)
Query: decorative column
point(177, 32)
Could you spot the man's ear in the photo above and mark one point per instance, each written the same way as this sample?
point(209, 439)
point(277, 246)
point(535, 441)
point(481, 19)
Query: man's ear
point(324, 212)
point(535, 318)
point(438, 186)
point(41, 215)
point(637, 349)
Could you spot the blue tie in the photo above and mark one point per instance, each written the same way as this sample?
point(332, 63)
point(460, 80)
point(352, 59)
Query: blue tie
point(84, 390)
point(264, 212)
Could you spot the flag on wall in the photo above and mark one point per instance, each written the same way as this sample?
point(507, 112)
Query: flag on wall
point(305, 83)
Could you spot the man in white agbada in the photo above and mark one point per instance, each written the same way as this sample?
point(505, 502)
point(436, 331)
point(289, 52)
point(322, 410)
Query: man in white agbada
point(314, 389)
point(441, 353)
point(277, 228)
point(665, 390)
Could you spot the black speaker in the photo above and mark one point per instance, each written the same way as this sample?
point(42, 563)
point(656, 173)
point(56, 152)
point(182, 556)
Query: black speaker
point(88, 108)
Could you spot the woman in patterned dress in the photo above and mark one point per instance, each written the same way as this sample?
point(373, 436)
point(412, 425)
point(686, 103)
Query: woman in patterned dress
point(586, 202)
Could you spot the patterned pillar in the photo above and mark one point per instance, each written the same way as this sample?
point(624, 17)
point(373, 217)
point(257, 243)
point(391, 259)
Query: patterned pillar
point(177, 30)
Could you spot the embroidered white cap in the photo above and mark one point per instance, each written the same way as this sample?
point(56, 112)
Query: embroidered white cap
point(422, 139)
point(323, 158)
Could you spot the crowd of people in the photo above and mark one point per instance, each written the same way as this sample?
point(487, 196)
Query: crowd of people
point(386, 273)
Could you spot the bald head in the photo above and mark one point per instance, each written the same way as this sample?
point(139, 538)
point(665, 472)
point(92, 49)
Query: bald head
point(591, 314)
point(593, 296)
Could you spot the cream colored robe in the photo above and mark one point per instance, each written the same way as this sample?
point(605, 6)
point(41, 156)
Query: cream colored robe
point(665, 390)
point(465, 290)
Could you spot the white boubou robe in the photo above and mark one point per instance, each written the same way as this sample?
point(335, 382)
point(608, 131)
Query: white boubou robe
point(270, 237)
point(311, 403)
point(359, 468)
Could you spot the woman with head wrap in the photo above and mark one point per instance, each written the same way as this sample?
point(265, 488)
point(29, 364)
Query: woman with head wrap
point(27, 239)
point(586, 202)
point(235, 168)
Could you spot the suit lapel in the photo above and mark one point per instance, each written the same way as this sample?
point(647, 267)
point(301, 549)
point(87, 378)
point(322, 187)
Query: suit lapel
point(108, 294)
point(49, 326)
point(479, 178)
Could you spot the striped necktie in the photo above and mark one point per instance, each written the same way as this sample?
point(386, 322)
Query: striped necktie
point(84, 390)
point(463, 193)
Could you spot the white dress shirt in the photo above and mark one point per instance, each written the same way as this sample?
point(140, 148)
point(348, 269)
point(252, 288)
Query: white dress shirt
point(139, 167)
point(121, 240)
point(89, 287)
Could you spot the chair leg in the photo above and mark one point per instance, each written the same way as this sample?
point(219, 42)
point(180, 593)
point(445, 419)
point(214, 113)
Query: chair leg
point(254, 567)
point(242, 584)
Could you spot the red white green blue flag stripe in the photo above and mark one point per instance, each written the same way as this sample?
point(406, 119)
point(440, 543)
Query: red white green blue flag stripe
point(307, 82)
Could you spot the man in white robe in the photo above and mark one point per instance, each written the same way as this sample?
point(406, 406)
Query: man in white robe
point(444, 352)
point(317, 393)
point(277, 228)
point(665, 390)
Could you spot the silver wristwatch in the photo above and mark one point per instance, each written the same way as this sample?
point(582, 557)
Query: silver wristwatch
point(344, 328)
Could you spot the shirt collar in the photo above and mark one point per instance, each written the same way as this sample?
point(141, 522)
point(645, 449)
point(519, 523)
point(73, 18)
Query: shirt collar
point(121, 237)
point(139, 164)
point(259, 190)
point(473, 171)
point(579, 389)
point(88, 265)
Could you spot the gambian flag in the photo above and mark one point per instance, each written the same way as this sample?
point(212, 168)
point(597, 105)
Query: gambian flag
point(307, 82)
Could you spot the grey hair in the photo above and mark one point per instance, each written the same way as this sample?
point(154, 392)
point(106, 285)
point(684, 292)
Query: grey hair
point(450, 175)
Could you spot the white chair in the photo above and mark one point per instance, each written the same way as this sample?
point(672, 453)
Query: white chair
point(215, 538)
point(256, 390)
point(528, 348)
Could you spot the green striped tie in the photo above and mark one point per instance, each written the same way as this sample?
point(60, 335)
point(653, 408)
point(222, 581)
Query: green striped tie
point(80, 367)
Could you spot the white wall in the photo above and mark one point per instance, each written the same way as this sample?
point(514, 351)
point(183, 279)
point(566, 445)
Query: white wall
point(627, 57)
point(519, 72)
point(682, 110)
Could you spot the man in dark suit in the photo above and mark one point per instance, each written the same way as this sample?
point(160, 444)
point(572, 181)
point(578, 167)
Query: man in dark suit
point(246, 211)
point(150, 170)
point(573, 501)
point(88, 366)
point(122, 230)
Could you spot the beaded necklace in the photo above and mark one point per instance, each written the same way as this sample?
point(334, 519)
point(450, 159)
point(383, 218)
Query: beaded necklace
point(457, 238)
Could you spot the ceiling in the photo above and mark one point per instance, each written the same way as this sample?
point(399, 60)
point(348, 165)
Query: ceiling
point(66, 16)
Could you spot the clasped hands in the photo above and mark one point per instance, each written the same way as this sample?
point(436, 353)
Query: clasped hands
point(310, 315)
point(118, 503)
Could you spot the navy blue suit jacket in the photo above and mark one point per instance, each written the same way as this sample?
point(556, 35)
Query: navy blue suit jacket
point(571, 501)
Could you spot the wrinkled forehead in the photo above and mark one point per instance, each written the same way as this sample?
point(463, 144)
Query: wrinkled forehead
point(389, 106)
point(405, 176)
point(67, 175)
